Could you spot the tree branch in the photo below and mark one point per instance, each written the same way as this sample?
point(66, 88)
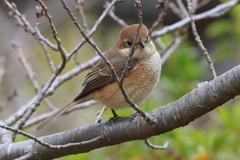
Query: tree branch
point(199, 41)
point(217, 11)
point(206, 97)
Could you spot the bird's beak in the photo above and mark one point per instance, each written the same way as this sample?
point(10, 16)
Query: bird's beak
point(141, 43)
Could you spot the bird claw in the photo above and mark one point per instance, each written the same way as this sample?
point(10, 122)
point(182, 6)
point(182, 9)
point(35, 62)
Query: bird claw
point(111, 120)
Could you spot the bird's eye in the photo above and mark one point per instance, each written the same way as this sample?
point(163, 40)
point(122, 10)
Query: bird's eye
point(147, 39)
point(129, 43)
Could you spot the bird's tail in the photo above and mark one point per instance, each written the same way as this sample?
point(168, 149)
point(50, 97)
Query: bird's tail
point(55, 114)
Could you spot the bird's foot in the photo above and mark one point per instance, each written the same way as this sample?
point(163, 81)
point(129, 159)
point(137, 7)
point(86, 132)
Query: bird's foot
point(115, 116)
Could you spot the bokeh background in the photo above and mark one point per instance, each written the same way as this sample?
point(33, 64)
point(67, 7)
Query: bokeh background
point(213, 136)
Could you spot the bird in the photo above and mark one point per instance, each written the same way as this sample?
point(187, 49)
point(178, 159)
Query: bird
point(141, 76)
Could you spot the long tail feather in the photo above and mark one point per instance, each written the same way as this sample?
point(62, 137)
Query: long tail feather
point(55, 114)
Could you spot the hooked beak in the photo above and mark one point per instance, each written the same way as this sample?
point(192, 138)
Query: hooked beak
point(141, 43)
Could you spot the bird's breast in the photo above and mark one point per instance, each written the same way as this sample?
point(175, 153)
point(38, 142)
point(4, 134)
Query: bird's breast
point(138, 84)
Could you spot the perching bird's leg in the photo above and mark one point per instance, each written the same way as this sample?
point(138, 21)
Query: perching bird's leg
point(115, 116)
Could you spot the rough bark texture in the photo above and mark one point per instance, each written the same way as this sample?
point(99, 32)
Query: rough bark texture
point(204, 98)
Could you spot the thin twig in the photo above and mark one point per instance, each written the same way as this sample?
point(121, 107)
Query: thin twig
point(49, 104)
point(174, 44)
point(212, 13)
point(70, 74)
point(149, 144)
point(48, 56)
point(202, 3)
point(17, 131)
point(2, 62)
point(54, 31)
point(99, 114)
point(170, 49)
point(76, 59)
point(182, 8)
point(145, 115)
point(85, 25)
point(113, 16)
point(39, 14)
point(160, 17)
point(160, 43)
point(8, 100)
point(199, 41)
point(176, 10)
point(58, 81)
point(80, 9)
point(82, 14)
point(194, 6)
point(138, 5)
point(22, 22)
point(25, 114)
point(40, 37)
point(43, 116)
point(94, 28)
point(29, 71)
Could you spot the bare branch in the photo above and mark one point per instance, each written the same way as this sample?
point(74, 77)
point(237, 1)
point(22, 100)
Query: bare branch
point(70, 74)
point(145, 115)
point(94, 28)
point(85, 25)
point(17, 131)
point(8, 100)
point(170, 49)
point(22, 22)
point(54, 31)
point(80, 9)
point(166, 52)
point(202, 3)
point(212, 13)
point(59, 80)
point(82, 14)
point(176, 10)
point(160, 43)
point(2, 62)
point(48, 56)
point(182, 8)
point(43, 116)
point(99, 114)
point(49, 104)
point(199, 41)
point(160, 17)
point(113, 16)
point(149, 144)
point(29, 71)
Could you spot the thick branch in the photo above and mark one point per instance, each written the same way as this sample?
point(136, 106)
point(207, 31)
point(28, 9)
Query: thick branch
point(206, 97)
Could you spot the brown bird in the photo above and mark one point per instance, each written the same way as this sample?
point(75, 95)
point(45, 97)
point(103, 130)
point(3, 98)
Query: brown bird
point(142, 74)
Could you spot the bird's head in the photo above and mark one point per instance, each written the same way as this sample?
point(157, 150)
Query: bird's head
point(144, 47)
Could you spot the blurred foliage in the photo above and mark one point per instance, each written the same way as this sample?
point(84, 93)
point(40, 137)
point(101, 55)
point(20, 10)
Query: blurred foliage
point(180, 74)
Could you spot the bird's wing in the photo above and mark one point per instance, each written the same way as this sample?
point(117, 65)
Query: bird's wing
point(101, 75)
